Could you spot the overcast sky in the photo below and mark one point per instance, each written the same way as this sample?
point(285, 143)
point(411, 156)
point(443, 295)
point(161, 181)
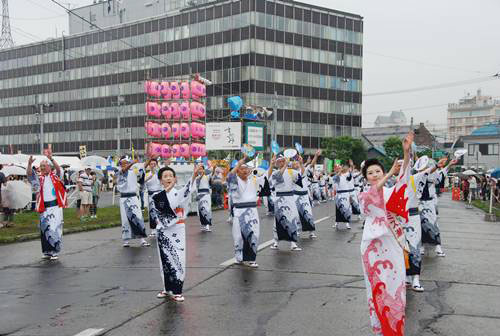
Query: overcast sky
point(407, 44)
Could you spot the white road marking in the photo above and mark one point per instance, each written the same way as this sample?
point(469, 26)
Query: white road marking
point(263, 246)
point(89, 332)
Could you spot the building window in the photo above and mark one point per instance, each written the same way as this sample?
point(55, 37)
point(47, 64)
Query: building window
point(492, 149)
point(471, 150)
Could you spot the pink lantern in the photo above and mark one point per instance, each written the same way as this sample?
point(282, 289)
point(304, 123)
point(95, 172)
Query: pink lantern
point(185, 130)
point(176, 130)
point(150, 107)
point(201, 132)
point(165, 111)
point(174, 111)
point(147, 86)
point(156, 130)
point(184, 149)
point(154, 89)
point(195, 151)
point(203, 150)
point(198, 90)
point(185, 90)
point(194, 129)
point(165, 90)
point(165, 151)
point(155, 149)
point(197, 110)
point(150, 130)
point(166, 132)
point(176, 150)
point(185, 110)
point(175, 90)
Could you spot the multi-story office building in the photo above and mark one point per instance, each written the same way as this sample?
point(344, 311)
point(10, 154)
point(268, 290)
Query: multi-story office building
point(310, 56)
point(470, 113)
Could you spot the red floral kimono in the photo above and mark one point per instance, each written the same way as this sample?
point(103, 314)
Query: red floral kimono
point(383, 259)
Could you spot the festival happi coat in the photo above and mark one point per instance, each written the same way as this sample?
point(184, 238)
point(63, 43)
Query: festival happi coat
point(383, 258)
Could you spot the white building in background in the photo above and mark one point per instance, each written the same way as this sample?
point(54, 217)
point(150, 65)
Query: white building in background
point(470, 113)
point(397, 118)
point(483, 148)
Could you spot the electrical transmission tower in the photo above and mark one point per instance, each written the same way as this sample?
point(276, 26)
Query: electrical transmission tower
point(6, 40)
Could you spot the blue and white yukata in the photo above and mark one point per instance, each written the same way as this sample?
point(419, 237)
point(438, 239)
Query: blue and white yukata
point(204, 200)
point(413, 228)
point(287, 222)
point(354, 194)
point(246, 226)
point(343, 209)
point(428, 209)
point(153, 185)
point(130, 206)
point(303, 203)
point(168, 211)
point(51, 220)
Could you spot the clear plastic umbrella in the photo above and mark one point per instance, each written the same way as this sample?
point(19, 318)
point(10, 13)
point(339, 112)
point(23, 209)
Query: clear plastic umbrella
point(16, 195)
point(94, 161)
point(13, 170)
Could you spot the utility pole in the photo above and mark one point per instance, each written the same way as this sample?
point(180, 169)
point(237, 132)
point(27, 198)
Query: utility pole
point(275, 116)
point(120, 101)
point(40, 110)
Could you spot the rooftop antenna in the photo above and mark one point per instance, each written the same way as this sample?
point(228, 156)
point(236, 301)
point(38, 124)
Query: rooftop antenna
point(6, 40)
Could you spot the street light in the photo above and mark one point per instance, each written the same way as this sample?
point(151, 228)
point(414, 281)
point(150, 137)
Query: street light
point(40, 109)
point(120, 101)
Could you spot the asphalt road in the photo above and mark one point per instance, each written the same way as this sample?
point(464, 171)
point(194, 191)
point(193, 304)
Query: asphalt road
point(98, 287)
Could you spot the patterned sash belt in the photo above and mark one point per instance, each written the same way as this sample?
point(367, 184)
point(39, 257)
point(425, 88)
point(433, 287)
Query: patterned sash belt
point(413, 211)
point(50, 204)
point(344, 191)
point(284, 193)
point(202, 191)
point(245, 205)
point(127, 195)
point(300, 192)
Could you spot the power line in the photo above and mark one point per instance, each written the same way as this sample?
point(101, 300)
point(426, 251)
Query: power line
point(37, 19)
point(423, 63)
point(435, 87)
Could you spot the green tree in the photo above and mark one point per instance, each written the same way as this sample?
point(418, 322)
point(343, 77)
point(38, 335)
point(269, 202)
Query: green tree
point(344, 148)
point(394, 149)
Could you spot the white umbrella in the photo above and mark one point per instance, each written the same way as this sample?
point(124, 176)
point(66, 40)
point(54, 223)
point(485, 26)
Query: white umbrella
point(16, 195)
point(95, 161)
point(21, 158)
point(13, 170)
point(6, 159)
point(469, 172)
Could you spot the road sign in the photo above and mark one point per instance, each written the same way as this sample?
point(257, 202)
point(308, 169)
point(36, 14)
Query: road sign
point(83, 151)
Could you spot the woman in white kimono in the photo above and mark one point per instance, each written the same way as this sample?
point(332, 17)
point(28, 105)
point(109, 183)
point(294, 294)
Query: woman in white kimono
point(244, 186)
point(171, 231)
point(302, 198)
point(204, 200)
point(130, 205)
point(153, 185)
point(343, 189)
point(286, 224)
point(354, 194)
point(428, 212)
point(382, 245)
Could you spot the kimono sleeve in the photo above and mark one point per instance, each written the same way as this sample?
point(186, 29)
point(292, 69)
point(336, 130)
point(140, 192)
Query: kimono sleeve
point(183, 195)
point(34, 180)
point(277, 178)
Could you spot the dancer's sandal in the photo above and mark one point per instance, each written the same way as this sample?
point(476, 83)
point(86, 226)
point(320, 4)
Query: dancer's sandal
point(296, 248)
point(274, 246)
point(441, 254)
point(417, 288)
point(177, 298)
point(163, 294)
point(251, 264)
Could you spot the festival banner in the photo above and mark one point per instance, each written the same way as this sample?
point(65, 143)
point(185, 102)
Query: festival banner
point(223, 136)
